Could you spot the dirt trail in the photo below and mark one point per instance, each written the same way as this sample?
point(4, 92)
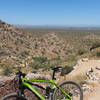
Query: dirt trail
point(93, 95)
point(83, 67)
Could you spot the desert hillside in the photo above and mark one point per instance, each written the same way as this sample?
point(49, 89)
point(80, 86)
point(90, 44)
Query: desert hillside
point(19, 47)
point(15, 43)
point(78, 52)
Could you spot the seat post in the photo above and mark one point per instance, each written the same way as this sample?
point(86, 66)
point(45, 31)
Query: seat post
point(53, 76)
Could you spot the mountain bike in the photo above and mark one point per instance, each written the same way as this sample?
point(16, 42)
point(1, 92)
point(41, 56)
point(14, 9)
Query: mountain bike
point(67, 90)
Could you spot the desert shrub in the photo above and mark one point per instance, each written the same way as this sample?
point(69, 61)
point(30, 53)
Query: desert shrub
point(81, 51)
point(39, 62)
point(66, 70)
point(56, 61)
point(24, 53)
point(36, 65)
point(96, 53)
point(3, 53)
point(41, 59)
point(71, 58)
point(18, 41)
point(7, 71)
point(95, 44)
point(2, 65)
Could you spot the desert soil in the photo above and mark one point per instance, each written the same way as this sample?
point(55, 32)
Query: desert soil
point(83, 66)
point(94, 94)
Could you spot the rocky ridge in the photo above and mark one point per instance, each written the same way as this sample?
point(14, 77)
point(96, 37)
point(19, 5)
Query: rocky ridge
point(17, 46)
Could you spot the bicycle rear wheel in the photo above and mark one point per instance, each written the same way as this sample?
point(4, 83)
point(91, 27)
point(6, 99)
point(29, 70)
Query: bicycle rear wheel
point(13, 96)
point(71, 88)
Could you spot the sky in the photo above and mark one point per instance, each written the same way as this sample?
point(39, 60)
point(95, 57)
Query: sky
point(51, 12)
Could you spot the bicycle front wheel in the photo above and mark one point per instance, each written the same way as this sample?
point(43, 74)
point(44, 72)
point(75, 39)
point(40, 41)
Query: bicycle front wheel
point(70, 88)
point(13, 96)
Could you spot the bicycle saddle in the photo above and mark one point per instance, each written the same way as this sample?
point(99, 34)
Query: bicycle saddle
point(56, 68)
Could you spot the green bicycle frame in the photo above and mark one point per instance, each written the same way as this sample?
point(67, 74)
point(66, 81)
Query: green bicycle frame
point(53, 86)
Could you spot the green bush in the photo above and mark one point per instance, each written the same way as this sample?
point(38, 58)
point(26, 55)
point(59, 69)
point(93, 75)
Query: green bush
point(71, 58)
point(95, 44)
point(7, 71)
point(56, 61)
point(81, 51)
point(39, 62)
point(40, 59)
point(24, 53)
point(66, 70)
point(98, 54)
point(2, 65)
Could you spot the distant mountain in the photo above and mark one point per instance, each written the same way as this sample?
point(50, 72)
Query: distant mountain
point(84, 27)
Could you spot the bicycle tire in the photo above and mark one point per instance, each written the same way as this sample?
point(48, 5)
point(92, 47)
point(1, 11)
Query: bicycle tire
point(13, 96)
point(68, 83)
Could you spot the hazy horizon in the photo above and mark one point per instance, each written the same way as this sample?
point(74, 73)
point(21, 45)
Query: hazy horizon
point(58, 26)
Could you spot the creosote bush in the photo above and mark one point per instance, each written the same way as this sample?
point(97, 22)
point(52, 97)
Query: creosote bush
point(36, 65)
point(7, 71)
point(24, 53)
point(41, 59)
point(71, 58)
point(81, 51)
point(66, 70)
point(96, 53)
point(39, 62)
point(95, 44)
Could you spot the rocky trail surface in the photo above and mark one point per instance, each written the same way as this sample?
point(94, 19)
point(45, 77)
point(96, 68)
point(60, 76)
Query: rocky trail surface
point(94, 94)
point(92, 69)
point(84, 65)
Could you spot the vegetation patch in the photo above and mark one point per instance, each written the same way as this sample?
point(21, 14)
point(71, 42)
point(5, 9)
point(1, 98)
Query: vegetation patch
point(7, 71)
point(81, 51)
point(66, 70)
point(39, 62)
point(95, 44)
